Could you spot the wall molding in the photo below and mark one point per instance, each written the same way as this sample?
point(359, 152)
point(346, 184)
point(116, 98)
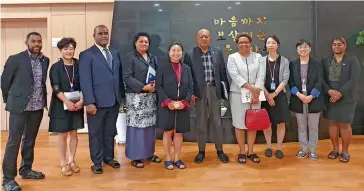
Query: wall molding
point(17, 2)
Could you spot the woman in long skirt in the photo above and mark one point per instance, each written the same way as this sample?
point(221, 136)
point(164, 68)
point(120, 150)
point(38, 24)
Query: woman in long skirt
point(141, 103)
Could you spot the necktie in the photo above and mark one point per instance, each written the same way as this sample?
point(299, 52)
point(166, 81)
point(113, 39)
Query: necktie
point(108, 57)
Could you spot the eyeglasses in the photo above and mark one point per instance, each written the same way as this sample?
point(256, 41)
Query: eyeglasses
point(303, 47)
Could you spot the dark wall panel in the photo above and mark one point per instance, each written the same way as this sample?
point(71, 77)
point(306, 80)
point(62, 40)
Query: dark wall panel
point(343, 19)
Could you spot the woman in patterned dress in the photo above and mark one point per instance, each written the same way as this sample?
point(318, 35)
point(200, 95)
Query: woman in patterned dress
point(141, 103)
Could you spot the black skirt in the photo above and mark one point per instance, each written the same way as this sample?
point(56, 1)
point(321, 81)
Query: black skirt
point(279, 113)
point(341, 111)
point(72, 121)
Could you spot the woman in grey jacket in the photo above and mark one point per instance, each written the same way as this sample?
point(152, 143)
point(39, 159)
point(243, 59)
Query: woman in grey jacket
point(276, 79)
point(247, 74)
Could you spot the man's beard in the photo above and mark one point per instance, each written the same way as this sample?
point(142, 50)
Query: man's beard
point(31, 50)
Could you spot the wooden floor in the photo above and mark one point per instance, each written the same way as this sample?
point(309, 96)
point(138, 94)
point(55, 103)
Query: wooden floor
point(289, 174)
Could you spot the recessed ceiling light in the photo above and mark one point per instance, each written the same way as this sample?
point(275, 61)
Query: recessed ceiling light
point(197, 4)
point(160, 10)
point(229, 7)
point(156, 5)
point(237, 3)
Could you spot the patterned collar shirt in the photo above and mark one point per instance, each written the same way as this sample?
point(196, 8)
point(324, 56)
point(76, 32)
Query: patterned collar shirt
point(36, 101)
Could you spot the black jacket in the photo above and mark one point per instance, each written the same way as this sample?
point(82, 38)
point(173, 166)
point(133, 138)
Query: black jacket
point(135, 70)
point(349, 77)
point(193, 59)
point(313, 85)
point(17, 81)
point(167, 87)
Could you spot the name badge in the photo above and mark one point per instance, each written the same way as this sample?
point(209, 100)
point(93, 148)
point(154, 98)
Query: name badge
point(272, 86)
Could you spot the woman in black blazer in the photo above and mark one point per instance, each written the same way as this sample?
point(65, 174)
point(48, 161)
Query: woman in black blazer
point(64, 77)
point(174, 86)
point(306, 102)
point(141, 102)
point(341, 75)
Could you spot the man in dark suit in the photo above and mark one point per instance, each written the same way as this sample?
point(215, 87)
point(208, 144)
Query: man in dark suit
point(103, 90)
point(23, 85)
point(209, 61)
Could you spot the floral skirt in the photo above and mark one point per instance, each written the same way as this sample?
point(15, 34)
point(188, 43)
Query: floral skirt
point(141, 109)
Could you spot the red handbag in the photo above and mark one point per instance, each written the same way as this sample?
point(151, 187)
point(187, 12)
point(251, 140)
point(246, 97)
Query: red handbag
point(257, 119)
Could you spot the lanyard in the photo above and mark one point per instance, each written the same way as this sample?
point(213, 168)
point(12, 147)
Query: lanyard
point(179, 73)
point(270, 69)
point(73, 75)
point(303, 73)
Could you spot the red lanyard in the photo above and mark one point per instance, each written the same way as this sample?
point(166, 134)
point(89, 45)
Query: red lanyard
point(73, 74)
point(179, 73)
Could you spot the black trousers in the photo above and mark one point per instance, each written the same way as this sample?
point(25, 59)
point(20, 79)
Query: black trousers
point(23, 128)
point(101, 132)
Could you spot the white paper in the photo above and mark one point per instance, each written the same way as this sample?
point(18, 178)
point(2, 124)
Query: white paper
point(55, 41)
point(246, 95)
point(72, 96)
point(150, 75)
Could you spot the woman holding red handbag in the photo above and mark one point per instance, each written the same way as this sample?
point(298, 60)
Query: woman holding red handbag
point(247, 75)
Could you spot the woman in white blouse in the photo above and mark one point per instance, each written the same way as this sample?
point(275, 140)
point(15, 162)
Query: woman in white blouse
point(246, 72)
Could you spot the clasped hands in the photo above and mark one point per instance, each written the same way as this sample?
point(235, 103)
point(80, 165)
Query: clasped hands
point(255, 95)
point(334, 95)
point(71, 106)
point(176, 105)
point(305, 99)
point(270, 98)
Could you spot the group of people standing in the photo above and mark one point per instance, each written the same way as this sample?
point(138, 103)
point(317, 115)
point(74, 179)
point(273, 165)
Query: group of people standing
point(101, 80)
point(328, 87)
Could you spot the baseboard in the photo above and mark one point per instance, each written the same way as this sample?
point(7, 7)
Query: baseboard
point(84, 130)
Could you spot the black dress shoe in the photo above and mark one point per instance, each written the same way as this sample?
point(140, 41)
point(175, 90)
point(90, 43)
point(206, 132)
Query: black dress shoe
point(113, 163)
point(97, 169)
point(33, 175)
point(11, 186)
point(223, 157)
point(199, 158)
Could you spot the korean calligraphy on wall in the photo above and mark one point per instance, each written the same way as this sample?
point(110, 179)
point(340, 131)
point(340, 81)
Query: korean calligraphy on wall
point(234, 25)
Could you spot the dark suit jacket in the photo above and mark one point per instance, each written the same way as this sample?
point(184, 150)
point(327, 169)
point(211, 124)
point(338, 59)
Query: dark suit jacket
point(60, 83)
point(349, 77)
point(135, 70)
point(100, 84)
point(167, 87)
point(313, 85)
point(193, 59)
point(17, 81)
